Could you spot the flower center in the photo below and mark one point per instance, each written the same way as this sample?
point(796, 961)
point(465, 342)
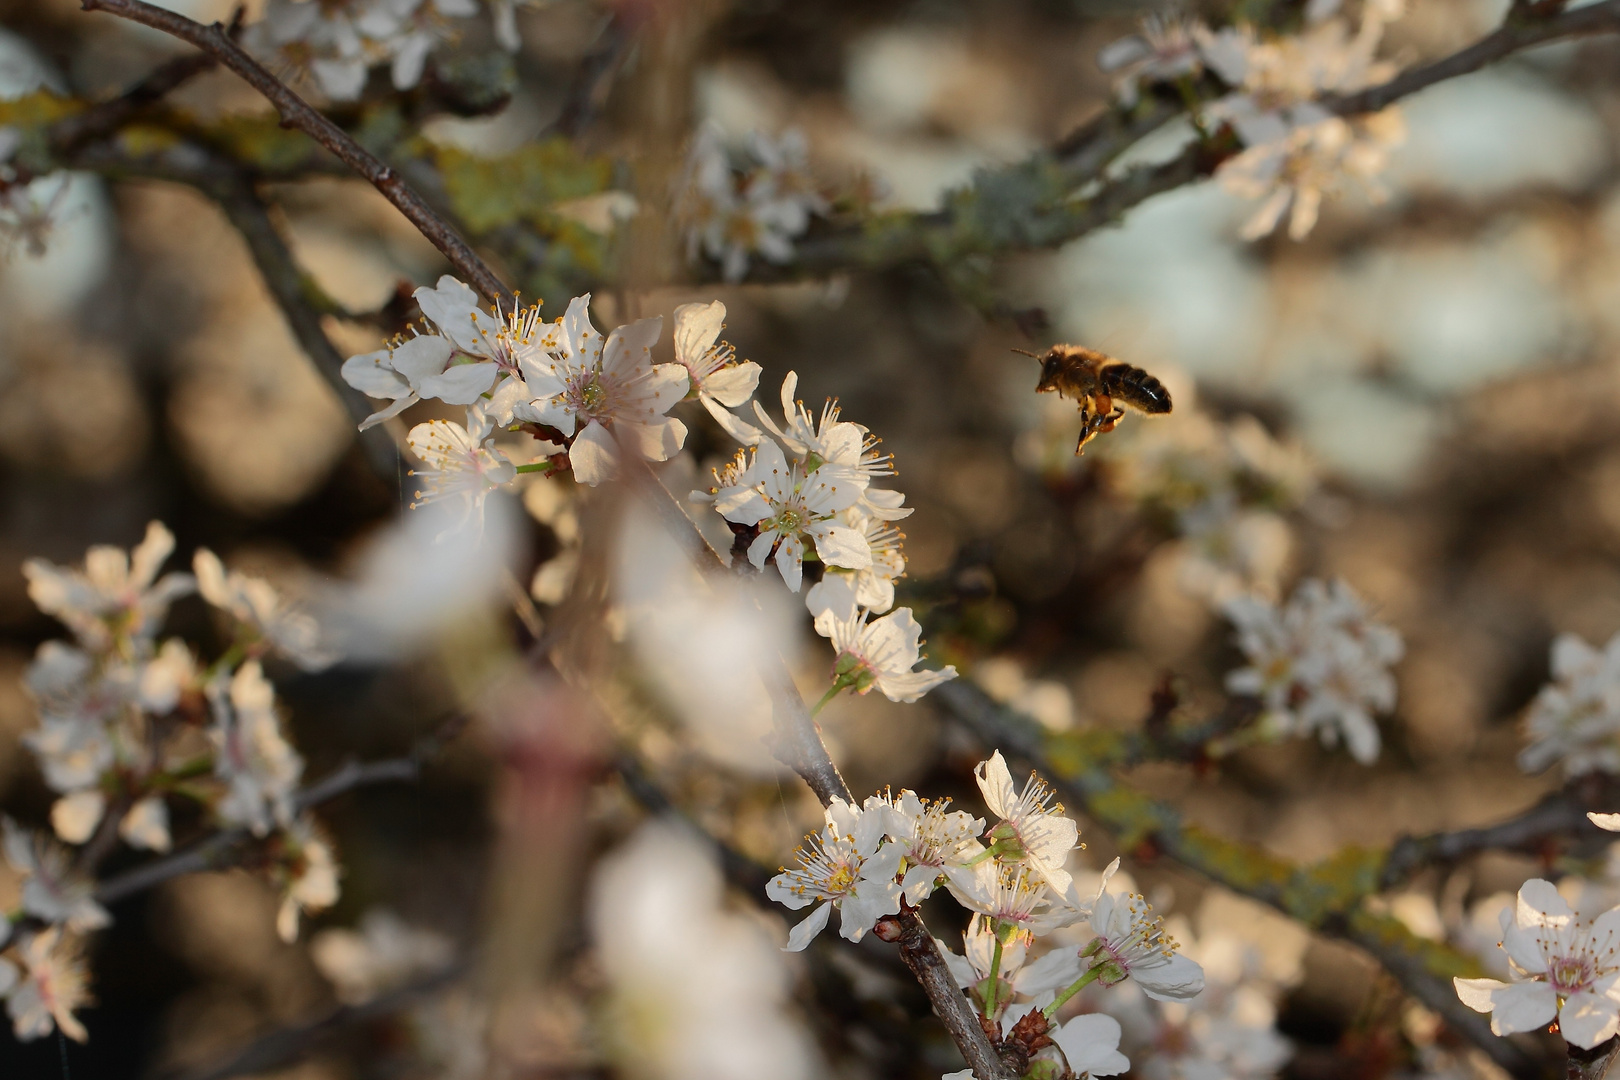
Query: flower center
point(842, 879)
point(593, 397)
point(789, 521)
point(1569, 974)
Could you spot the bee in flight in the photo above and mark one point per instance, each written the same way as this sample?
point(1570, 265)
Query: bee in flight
point(1101, 384)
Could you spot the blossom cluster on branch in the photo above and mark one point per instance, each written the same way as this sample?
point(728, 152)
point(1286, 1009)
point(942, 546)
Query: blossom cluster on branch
point(129, 726)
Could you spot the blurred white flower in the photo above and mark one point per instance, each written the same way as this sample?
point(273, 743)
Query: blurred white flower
point(880, 654)
point(1090, 1045)
point(336, 45)
point(258, 608)
point(54, 985)
point(308, 873)
point(117, 596)
point(1563, 968)
point(259, 767)
point(1162, 50)
point(732, 217)
point(697, 992)
point(1131, 943)
point(790, 503)
point(1611, 822)
point(52, 889)
point(1319, 664)
point(461, 464)
point(930, 835)
point(1032, 829)
point(612, 393)
point(843, 591)
point(848, 866)
point(1575, 719)
point(384, 954)
point(1294, 173)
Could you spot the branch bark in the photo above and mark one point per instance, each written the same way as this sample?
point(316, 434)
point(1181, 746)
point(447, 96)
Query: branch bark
point(297, 113)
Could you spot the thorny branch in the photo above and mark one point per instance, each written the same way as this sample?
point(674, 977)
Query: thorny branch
point(297, 113)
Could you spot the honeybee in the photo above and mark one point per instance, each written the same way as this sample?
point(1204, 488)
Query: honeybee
point(1101, 384)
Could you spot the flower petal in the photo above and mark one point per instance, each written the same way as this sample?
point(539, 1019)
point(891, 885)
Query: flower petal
point(813, 924)
point(593, 456)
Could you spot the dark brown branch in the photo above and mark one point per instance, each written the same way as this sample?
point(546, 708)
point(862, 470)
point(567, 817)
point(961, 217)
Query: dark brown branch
point(1558, 817)
point(297, 113)
point(1591, 1064)
point(287, 1046)
point(210, 852)
point(1520, 31)
point(100, 121)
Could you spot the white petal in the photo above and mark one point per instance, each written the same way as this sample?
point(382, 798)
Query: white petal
point(1523, 1006)
point(813, 924)
point(372, 375)
point(731, 386)
point(421, 358)
point(450, 306)
point(75, 817)
point(1476, 993)
point(657, 441)
point(696, 328)
point(593, 455)
point(1610, 822)
point(790, 561)
point(460, 384)
point(1587, 1019)
point(629, 349)
point(743, 432)
point(1177, 980)
point(840, 545)
point(146, 825)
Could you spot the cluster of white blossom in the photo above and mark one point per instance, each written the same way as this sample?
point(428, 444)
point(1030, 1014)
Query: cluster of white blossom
point(1296, 151)
point(1318, 663)
point(1223, 488)
point(1562, 968)
point(732, 211)
point(891, 852)
point(126, 725)
point(30, 209)
point(598, 398)
point(1575, 719)
point(336, 44)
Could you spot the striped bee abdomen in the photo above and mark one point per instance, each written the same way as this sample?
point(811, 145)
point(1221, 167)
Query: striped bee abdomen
point(1136, 388)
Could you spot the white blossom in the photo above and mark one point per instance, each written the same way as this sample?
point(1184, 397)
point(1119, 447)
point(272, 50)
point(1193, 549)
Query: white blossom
point(730, 217)
point(1162, 50)
point(828, 440)
point(790, 503)
point(848, 866)
point(309, 876)
point(116, 596)
point(459, 464)
point(52, 889)
point(930, 835)
point(1019, 974)
point(1563, 968)
point(1131, 943)
point(1013, 895)
point(606, 395)
point(1319, 664)
point(715, 376)
point(844, 591)
point(55, 984)
point(880, 654)
point(258, 766)
point(1575, 719)
point(1032, 829)
point(259, 608)
point(319, 42)
point(385, 952)
point(1294, 173)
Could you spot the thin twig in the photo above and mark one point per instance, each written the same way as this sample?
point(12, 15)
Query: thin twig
point(297, 113)
point(286, 1046)
point(1591, 1064)
point(100, 121)
point(209, 853)
point(1518, 33)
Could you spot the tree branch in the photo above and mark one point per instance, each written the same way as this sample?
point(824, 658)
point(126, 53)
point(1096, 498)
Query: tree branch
point(1327, 897)
point(1517, 33)
point(297, 113)
point(1591, 1064)
point(100, 121)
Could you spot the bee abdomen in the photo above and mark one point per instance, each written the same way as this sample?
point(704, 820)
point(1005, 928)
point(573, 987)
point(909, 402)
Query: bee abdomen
point(1136, 388)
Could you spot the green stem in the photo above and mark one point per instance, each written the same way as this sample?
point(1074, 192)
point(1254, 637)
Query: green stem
point(535, 466)
point(990, 994)
point(832, 692)
point(1074, 988)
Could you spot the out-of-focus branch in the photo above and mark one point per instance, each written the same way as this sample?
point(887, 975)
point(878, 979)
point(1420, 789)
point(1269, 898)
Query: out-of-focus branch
point(1591, 1064)
point(297, 113)
point(289, 1045)
point(1559, 816)
point(100, 121)
point(1521, 31)
point(210, 852)
point(1328, 897)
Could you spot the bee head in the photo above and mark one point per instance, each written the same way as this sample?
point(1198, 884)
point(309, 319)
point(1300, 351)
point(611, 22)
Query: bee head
point(1052, 366)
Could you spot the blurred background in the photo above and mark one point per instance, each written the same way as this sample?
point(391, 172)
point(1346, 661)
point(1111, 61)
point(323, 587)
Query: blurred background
point(1422, 398)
